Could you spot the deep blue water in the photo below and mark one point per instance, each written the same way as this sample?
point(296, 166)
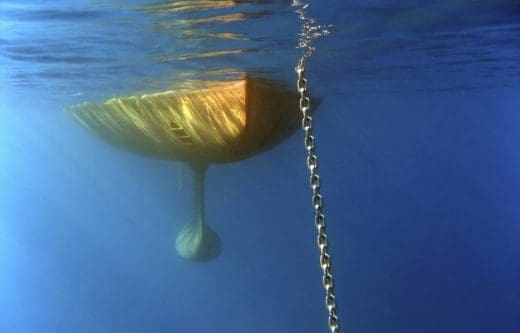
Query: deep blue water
point(417, 135)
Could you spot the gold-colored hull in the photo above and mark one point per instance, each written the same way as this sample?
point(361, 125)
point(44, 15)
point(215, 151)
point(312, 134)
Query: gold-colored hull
point(224, 122)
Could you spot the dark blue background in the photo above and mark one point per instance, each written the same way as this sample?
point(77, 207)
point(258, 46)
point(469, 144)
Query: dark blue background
point(421, 187)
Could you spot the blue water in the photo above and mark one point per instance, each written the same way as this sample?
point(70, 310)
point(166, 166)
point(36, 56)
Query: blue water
point(417, 135)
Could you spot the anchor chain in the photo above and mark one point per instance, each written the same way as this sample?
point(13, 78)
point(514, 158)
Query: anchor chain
point(317, 198)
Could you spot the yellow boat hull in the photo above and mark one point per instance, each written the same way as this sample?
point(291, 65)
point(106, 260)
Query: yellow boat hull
point(224, 122)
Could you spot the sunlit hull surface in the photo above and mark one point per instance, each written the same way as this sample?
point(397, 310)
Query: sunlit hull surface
point(224, 122)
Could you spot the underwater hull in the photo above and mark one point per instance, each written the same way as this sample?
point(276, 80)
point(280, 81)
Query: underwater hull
point(225, 122)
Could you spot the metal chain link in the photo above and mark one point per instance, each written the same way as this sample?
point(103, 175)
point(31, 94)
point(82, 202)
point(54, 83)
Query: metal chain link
point(317, 199)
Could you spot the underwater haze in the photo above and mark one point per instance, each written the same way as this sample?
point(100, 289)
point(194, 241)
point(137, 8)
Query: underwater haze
point(417, 128)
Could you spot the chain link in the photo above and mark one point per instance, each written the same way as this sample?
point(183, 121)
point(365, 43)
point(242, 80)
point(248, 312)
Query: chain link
point(317, 199)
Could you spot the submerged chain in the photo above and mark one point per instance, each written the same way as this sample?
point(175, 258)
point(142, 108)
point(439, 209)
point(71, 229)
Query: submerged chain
point(317, 199)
